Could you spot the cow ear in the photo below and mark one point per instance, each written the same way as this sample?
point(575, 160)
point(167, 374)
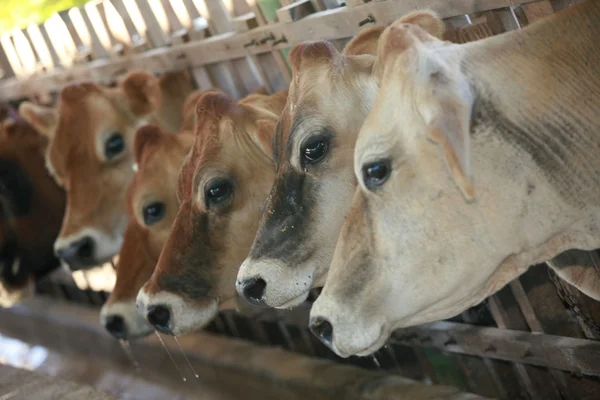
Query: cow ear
point(423, 25)
point(264, 135)
point(312, 53)
point(142, 92)
point(447, 111)
point(147, 134)
point(211, 107)
point(43, 119)
point(364, 43)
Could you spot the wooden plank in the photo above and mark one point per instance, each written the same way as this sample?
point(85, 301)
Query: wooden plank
point(85, 29)
point(581, 356)
point(331, 24)
point(25, 52)
point(155, 34)
point(537, 10)
point(8, 48)
point(296, 11)
point(41, 47)
point(98, 27)
point(121, 36)
point(555, 320)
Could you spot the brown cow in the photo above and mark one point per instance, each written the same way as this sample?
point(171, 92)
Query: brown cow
point(91, 156)
point(222, 187)
point(152, 205)
point(32, 208)
point(330, 97)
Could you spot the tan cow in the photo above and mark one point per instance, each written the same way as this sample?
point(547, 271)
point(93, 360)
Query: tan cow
point(91, 156)
point(152, 205)
point(330, 96)
point(222, 187)
point(477, 161)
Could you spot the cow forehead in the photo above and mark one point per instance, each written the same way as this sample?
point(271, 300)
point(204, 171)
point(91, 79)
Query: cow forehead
point(78, 127)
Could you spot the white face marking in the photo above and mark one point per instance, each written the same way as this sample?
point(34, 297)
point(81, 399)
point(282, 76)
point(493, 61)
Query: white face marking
point(135, 167)
point(105, 246)
point(185, 317)
point(135, 323)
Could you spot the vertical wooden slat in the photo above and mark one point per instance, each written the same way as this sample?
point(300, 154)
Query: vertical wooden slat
point(229, 78)
point(8, 48)
point(120, 36)
point(24, 51)
point(154, 32)
point(131, 9)
point(40, 45)
point(87, 33)
point(98, 26)
point(61, 40)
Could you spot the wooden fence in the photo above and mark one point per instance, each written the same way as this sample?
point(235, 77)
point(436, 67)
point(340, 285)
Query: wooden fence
point(535, 339)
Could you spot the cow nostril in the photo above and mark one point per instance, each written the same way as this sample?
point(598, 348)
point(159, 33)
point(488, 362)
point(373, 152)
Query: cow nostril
point(254, 290)
point(322, 329)
point(160, 318)
point(115, 325)
point(85, 248)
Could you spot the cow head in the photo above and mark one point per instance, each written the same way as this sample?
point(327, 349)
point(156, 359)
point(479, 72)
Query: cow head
point(91, 157)
point(459, 189)
point(329, 99)
point(152, 206)
point(222, 186)
point(32, 207)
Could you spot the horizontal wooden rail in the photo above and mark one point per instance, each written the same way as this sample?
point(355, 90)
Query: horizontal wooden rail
point(330, 24)
point(581, 356)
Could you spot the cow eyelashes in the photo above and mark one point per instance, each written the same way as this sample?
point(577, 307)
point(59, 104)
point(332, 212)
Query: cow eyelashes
point(375, 174)
point(153, 213)
point(114, 145)
point(217, 192)
point(314, 151)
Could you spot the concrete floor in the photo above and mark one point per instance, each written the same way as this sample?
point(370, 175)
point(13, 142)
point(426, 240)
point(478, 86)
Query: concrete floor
point(96, 360)
point(65, 341)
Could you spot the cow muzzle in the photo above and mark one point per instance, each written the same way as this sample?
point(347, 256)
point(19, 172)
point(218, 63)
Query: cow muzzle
point(171, 314)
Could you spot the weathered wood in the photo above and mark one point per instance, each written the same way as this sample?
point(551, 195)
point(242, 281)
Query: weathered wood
point(8, 48)
point(85, 29)
point(41, 46)
point(296, 11)
point(330, 24)
point(537, 10)
point(245, 22)
point(155, 34)
point(568, 354)
point(25, 52)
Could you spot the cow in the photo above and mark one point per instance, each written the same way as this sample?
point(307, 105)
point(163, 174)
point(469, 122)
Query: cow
point(31, 209)
point(222, 187)
point(477, 161)
point(91, 156)
point(330, 96)
point(151, 206)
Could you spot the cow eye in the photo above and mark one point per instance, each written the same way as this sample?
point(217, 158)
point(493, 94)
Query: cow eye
point(315, 151)
point(375, 174)
point(114, 145)
point(217, 192)
point(153, 213)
